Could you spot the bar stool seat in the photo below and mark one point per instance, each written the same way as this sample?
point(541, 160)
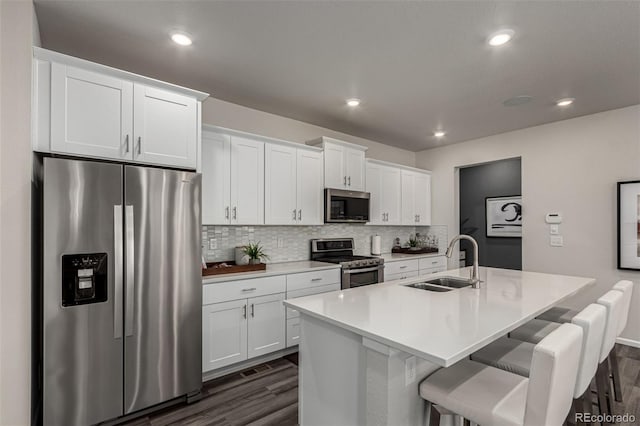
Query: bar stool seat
point(534, 331)
point(489, 396)
point(507, 354)
point(558, 314)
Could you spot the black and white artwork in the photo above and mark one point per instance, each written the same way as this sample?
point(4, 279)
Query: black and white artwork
point(629, 225)
point(504, 216)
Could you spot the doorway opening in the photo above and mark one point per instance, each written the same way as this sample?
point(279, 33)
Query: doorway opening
point(478, 183)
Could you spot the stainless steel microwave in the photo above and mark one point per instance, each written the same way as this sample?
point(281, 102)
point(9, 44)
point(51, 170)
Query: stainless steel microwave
point(346, 206)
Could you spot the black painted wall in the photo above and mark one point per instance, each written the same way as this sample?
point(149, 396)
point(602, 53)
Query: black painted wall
point(497, 179)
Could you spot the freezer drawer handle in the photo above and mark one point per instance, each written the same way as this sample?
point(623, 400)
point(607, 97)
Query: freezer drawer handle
point(130, 259)
point(117, 265)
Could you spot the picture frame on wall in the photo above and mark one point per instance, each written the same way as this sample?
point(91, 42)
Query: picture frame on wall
point(503, 216)
point(629, 225)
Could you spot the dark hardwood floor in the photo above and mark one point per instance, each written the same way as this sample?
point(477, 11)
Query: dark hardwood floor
point(268, 395)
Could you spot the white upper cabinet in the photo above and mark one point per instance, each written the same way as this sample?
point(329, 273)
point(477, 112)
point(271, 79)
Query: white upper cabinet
point(85, 109)
point(344, 164)
point(216, 178)
point(310, 195)
point(383, 182)
point(247, 181)
point(232, 180)
point(91, 113)
point(165, 127)
point(293, 185)
point(422, 197)
point(416, 198)
point(280, 206)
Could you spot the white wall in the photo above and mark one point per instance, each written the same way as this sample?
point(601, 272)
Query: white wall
point(16, 39)
point(570, 166)
point(237, 117)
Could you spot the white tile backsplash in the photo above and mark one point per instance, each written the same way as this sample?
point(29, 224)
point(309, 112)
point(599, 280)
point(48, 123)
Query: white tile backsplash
point(218, 242)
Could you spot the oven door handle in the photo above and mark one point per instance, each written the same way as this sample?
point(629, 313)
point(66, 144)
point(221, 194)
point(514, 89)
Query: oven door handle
point(358, 270)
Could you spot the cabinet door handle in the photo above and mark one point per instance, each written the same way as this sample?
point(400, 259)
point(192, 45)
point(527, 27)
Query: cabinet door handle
point(226, 212)
point(349, 180)
point(294, 214)
point(244, 312)
point(139, 145)
point(235, 212)
point(345, 181)
point(418, 218)
point(253, 314)
point(126, 144)
point(300, 214)
point(386, 215)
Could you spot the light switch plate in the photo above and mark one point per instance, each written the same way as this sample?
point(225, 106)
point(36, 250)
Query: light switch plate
point(556, 241)
point(554, 229)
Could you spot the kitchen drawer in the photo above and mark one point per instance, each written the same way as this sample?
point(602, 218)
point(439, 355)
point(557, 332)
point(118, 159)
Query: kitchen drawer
point(392, 268)
point(293, 331)
point(430, 271)
point(313, 279)
point(243, 289)
point(292, 313)
point(400, 276)
point(433, 262)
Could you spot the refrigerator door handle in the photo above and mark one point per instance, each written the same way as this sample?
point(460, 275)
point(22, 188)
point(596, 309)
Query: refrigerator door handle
point(130, 257)
point(117, 271)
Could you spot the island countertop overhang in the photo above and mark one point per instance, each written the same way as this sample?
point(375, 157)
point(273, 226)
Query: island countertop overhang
point(442, 328)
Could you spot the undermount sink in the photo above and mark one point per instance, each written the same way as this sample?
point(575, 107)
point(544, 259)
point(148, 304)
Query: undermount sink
point(442, 284)
point(452, 282)
point(428, 287)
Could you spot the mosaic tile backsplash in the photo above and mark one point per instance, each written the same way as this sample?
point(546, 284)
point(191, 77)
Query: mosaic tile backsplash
point(290, 243)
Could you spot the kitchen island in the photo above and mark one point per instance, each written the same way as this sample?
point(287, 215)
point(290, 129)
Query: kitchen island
point(363, 351)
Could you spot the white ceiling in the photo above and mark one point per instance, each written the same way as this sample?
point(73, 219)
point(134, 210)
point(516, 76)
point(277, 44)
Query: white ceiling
point(417, 66)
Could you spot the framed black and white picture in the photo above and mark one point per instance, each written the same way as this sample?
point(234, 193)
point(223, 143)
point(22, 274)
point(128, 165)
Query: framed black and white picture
point(504, 216)
point(629, 225)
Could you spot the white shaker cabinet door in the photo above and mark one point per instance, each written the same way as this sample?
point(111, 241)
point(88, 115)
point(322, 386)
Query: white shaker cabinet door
point(422, 198)
point(390, 185)
point(247, 181)
point(216, 179)
point(377, 213)
point(280, 185)
point(310, 188)
point(408, 201)
point(224, 334)
point(91, 114)
point(266, 324)
point(334, 169)
point(354, 169)
point(165, 126)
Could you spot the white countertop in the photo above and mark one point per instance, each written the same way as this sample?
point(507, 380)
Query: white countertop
point(282, 268)
point(442, 327)
point(392, 257)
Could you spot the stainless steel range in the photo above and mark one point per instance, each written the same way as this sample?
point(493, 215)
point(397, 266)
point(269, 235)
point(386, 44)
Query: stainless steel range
point(357, 271)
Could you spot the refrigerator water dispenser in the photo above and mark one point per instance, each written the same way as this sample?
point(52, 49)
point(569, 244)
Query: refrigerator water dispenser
point(84, 278)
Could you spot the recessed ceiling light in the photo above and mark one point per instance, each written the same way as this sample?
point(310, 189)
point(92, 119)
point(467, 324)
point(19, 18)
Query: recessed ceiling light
point(565, 102)
point(439, 134)
point(181, 38)
point(353, 102)
point(501, 37)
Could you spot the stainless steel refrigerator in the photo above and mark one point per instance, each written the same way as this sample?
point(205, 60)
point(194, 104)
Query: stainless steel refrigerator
point(121, 289)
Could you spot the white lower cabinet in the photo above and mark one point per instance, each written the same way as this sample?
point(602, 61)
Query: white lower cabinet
point(266, 324)
point(431, 265)
point(401, 276)
point(293, 331)
point(224, 334)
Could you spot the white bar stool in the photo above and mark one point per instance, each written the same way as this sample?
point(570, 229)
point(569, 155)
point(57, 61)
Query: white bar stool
point(516, 356)
point(626, 287)
point(536, 329)
point(490, 396)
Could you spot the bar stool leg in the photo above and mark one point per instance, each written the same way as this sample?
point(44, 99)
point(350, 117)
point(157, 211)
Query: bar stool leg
point(434, 416)
point(615, 374)
point(602, 385)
